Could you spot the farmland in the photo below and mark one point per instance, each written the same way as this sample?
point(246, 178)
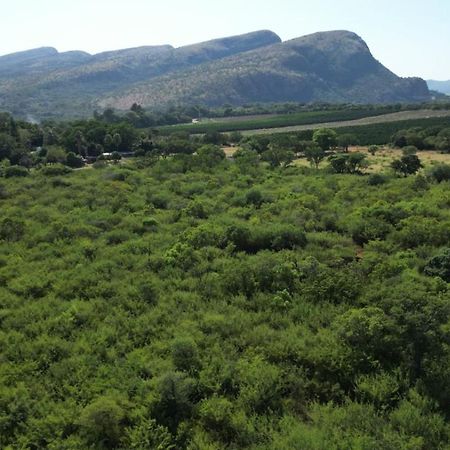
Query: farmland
point(285, 123)
point(272, 121)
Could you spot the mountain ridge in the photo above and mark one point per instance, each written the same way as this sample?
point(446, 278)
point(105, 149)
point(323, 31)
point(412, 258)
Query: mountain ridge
point(334, 66)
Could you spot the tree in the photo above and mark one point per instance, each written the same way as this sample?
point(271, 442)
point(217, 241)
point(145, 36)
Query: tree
point(108, 141)
point(214, 138)
point(175, 392)
point(135, 107)
point(117, 140)
point(348, 163)
point(439, 266)
point(74, 161)
point(55, 155)
point(440, 172)
point(407, 165)
point(7, 145)
point(103, 421)
point(325, 138)
point(246, 159)
point(347, 139)
point(148, 435)
point(116, 157)
point(373, 149)
point(409, 150)
point(277, 156)
point(235, 137)
point(80, 143)
point(315, 155)
point(210, 155)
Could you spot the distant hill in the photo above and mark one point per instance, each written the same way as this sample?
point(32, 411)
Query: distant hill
point(334, 66)
point(439, 86)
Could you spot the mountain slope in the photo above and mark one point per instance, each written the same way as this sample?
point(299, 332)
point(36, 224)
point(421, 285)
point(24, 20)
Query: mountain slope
point(439, 86)
point(42, 83)
point(332, 66)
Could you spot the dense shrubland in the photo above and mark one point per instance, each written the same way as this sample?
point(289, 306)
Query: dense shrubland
point(201, 303)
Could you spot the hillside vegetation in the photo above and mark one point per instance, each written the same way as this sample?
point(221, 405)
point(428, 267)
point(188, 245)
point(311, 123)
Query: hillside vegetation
point(332, 66)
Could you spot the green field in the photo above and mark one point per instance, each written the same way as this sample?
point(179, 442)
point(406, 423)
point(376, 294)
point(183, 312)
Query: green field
point(285, 120)
point(371, 134)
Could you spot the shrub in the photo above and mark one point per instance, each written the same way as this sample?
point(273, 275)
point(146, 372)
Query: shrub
point(102, 421)
point(15, 171)
point(439, 266)
point(376, 179)
point(440, 172)
point(74, 161)
point(254, 197)
point(55, 170)
point(185, 355)
point(148, 292)
point(11, 229)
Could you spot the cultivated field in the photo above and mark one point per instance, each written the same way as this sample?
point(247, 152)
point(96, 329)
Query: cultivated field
point(384, 118)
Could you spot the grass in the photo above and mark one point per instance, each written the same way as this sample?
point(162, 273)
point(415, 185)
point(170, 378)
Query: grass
point(381, 161)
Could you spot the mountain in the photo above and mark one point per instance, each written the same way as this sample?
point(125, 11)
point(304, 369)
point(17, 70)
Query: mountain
point(334, 66)
point(439, 86)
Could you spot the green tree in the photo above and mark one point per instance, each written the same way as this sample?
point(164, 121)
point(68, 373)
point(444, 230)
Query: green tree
point(315, 155)
point(325, 138)
point(348, 163)
point(210, 155)
point(108, 141)
point(439, 265)
point(148, 435)
point(246, 159)
point(347, 139)
point(103, 422)
point(74, 160)
point(81, 143)
point(277, 156)
point(409, 150)
point(7, 145)
point(116, 140)
point(407, 165)
point(56, 155)
point(440, 172)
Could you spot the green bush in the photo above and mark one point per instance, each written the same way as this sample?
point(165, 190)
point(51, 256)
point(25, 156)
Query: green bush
point(439, 266)
point(55, 170)
point(15, 171)
point(440, 172)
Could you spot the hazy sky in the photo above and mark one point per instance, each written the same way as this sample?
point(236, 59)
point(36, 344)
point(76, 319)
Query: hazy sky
point(411, 37)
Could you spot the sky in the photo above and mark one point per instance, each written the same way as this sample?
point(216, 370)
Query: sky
point(410, 37)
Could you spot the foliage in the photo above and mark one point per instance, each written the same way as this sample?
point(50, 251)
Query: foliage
point(325, 138)
point(315, 155)
point(440, 172)
point(407, 165)
point(348, 162)
point(204, 302)
point(439, 265)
